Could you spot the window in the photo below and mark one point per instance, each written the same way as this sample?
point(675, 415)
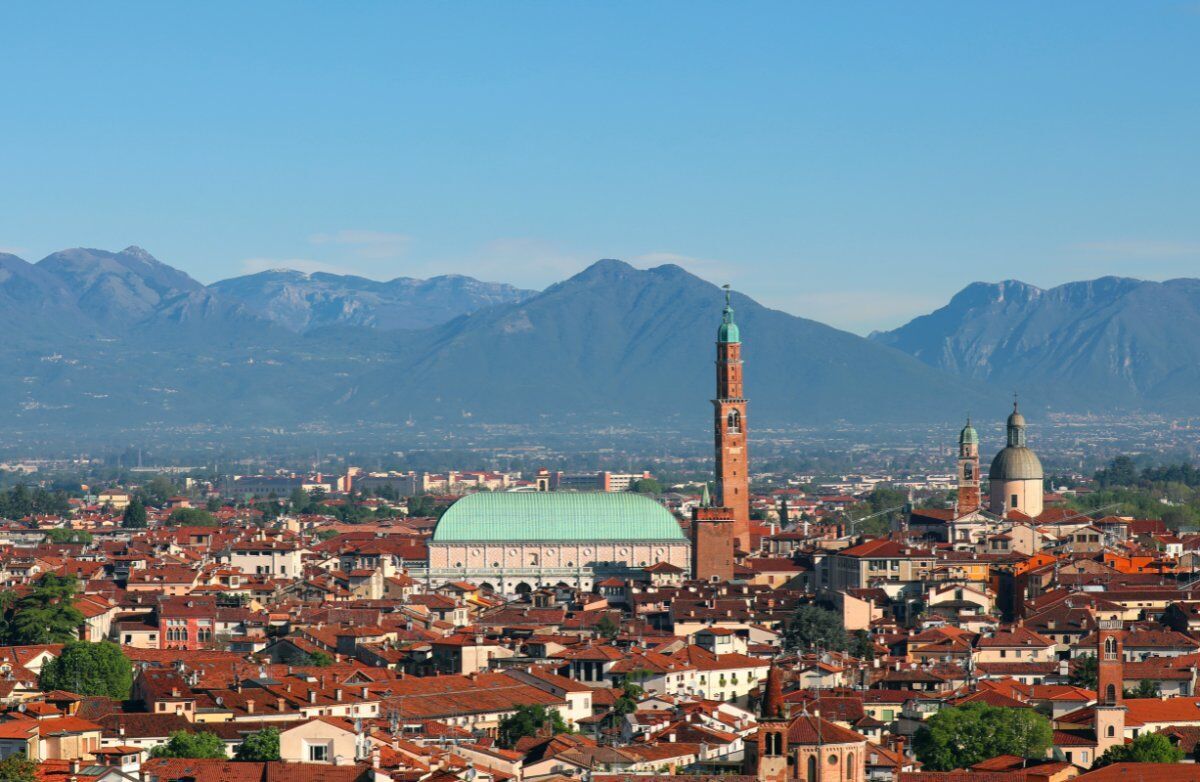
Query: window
point(812, 768)
point(1112, 731)
point(1014, 500)
point(734, 422)
point(318, 753)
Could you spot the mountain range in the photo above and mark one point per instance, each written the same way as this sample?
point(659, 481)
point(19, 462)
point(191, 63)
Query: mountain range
point(101, 344)
point(1108, 344)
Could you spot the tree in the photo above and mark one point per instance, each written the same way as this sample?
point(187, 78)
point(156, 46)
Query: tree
point(646, 486)
point(213, 504)
point(526, 721)
point(1086, 672)
point(861, 645)
point(607, 627)
point(158, 490)
point(961, 736)
point(813, 626)
point(1146, 748)
point(1121, 471)
point(135, 514)
point(184, 744)
point(18, 768)
point(191, 517)
point(260, 746)
point(1146, 688)
point(65, 535)
point(319, 659)
point(47, 615)
point(89, 669)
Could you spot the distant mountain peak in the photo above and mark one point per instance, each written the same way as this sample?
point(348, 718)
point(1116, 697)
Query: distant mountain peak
point(1103, 342)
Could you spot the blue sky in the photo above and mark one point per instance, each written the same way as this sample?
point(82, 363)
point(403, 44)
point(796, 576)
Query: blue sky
point(852, 162)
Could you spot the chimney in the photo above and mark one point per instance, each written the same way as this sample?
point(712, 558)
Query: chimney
point(900, 751)
point(337, 694)
point(312, 696)
point(279, 703)
point(250, 707)
point(366, 692)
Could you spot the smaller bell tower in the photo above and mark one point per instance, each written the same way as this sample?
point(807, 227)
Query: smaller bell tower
point(968, 469)
point(767, 757)
point(1110, 688)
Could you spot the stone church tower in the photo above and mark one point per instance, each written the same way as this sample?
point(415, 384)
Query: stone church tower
point(1110, 688)
point(729, 408)
point(968, 470)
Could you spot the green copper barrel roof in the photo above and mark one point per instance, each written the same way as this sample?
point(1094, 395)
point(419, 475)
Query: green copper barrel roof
point(556, 516)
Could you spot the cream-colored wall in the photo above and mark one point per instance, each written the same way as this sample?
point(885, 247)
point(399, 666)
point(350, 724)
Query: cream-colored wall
point(1030, 496)
point(293, 744)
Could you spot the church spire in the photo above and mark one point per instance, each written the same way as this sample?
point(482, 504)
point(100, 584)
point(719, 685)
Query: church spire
point(728, 332)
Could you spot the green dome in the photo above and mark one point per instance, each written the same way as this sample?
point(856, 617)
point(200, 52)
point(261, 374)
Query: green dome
point(968, 435)
point(728, 333)
point(556, 516)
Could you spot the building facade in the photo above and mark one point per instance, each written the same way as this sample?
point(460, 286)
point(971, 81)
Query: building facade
point(514, 542)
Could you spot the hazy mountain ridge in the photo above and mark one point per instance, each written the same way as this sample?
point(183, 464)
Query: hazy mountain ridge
point(302, 301)
point(1110, 342)
point(149, 346)
point(102, 342)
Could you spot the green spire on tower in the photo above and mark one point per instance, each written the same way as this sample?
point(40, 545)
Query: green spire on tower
point(705, 499)
point(728, 332)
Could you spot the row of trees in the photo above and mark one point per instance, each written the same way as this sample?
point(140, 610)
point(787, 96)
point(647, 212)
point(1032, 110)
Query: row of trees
point(260, 746)
point(961, 736)
point(20, 502)
point(1168, 492)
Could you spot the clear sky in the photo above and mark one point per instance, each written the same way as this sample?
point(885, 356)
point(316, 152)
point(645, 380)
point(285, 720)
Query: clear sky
point(852, 162)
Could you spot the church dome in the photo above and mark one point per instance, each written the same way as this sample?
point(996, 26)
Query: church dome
point(1016, 463)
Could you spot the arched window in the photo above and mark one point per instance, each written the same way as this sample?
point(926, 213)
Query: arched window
point(1110, 648)
point(774, 744)
point(1112, 731)
point(850, 766)
point(734, 422)
point(812, 768)
point(1110, 694)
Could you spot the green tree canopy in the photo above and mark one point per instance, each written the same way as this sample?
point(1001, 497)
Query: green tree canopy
point(861, 645)
point(47, 614)
point(1145, 688)
point(260, 746)
point(191, 517)
point(319, 659)
point(89, 669)
point(66, 535)
point(1086, 672)
point(1146, 748)
point(526, 721)
point(607, 627)
point(135, 514)
point(814, 626)
point(185, 744)
point(158, 490)
point(961, 736)
point(18, 768)
point(646, 486)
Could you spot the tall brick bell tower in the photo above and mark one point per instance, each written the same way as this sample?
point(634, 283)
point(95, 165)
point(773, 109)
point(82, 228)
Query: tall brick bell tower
point(729, 408)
